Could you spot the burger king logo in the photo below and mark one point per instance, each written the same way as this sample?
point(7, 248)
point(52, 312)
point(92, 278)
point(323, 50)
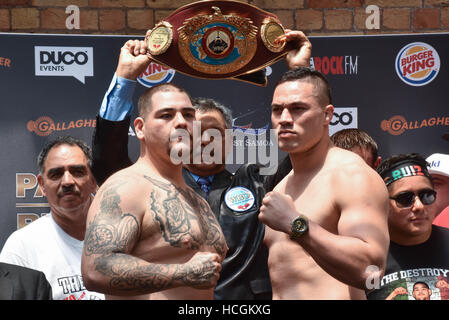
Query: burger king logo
point(155, 74)
point(417, 64)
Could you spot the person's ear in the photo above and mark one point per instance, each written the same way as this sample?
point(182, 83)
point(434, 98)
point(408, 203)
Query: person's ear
point(328, 113)
point(377, 162)
point(40, 181)
point(139, 127)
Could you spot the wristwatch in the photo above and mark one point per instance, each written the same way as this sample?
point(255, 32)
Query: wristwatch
point(299, 225)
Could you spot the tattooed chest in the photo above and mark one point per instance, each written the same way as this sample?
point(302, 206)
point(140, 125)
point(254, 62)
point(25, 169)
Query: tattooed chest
point(183, 225)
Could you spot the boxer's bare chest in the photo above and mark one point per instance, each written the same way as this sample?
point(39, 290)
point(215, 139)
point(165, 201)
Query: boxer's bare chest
point(182, 218)
point(314, 197)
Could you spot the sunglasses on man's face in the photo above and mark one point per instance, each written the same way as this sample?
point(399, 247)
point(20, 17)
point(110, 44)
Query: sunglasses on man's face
point(407, 198)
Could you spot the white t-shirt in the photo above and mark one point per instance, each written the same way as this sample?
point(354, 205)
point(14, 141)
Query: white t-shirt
point(44, 246)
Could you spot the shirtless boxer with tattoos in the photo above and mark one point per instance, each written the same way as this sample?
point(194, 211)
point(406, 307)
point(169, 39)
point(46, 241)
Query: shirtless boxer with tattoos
point(149, 235)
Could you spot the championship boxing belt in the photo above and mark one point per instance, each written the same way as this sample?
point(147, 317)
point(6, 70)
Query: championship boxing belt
point(218, 40)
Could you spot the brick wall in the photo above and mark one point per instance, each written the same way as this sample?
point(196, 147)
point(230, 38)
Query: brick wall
point(315, 17)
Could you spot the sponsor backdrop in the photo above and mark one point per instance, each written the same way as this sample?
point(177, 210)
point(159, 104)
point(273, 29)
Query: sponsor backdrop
point(394, 87)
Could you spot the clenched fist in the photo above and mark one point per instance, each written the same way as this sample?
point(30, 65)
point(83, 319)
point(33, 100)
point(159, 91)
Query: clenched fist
point(202, 270)
point(133, 59)
point(277, 211)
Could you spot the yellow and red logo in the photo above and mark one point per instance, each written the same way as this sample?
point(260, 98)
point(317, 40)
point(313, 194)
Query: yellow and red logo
point(397, 124)
point(5, 62)
point(155, 74)
point(417, 64)
point(44, 126)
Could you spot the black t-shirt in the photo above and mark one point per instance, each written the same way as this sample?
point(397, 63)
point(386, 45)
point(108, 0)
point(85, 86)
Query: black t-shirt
point(422, 271)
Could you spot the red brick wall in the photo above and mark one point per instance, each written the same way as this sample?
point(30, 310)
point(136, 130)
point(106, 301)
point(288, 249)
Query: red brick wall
point(315, 17)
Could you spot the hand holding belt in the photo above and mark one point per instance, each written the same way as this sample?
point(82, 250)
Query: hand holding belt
point(218, 40)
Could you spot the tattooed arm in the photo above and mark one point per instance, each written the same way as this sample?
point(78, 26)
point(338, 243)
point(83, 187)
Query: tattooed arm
point(113, 230)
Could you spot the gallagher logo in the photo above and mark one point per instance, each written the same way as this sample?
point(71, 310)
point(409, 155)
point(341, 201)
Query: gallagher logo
point(417, 64)
point(155, 74)
point(44, 126)
point(5, 62)
point(397, 124)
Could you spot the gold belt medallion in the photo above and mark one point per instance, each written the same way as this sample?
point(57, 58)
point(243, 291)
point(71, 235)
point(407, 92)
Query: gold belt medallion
point(217, 43)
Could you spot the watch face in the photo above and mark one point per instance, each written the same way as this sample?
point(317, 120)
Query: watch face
point(299, 226)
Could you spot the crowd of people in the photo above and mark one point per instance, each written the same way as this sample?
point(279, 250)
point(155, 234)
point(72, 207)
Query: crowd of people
point(335, 221)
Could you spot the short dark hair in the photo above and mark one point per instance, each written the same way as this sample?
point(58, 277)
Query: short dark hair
point(208, 104)
point(421, 282)
point(144, 104)
point(313, 76)
point(390, 162)
point(354, 137)
point(63, 140)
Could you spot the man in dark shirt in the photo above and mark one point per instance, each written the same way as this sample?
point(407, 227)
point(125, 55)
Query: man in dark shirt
point(419, 251)
point(20, 283)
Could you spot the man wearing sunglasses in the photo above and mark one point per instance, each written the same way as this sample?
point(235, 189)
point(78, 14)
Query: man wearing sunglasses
point(419, 252)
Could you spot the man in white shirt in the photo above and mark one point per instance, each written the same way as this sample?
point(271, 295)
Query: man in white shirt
point(53, 243)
